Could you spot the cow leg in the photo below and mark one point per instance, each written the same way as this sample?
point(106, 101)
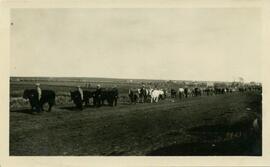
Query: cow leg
point(81, 107)
point(98, 102)
point(41, 107)
point(32, 108)
point(50, 107)
point(86, 101)
point(94, 102)
point(115, 101)
point(110, 101)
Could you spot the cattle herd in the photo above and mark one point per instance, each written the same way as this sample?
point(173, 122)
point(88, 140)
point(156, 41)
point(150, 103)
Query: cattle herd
point(139, 95)
point(99, 97)
point(154, 95)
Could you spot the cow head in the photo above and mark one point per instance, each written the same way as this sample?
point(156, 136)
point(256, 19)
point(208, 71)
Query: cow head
point(29, 94)
point(26, 94)
point(72, 95)
point(75, 96)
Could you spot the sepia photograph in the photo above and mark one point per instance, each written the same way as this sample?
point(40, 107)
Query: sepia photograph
point(135, 82)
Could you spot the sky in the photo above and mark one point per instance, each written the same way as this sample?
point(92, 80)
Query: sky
point(216, 44)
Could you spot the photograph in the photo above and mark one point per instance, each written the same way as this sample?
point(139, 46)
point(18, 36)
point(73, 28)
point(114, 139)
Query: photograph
point(135, 82)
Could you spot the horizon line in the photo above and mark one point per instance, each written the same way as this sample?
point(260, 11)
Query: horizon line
point(129, 78)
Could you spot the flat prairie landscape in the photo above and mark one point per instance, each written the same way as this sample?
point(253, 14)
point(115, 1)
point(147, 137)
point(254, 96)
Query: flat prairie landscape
point(206, 125)
point(130, 80)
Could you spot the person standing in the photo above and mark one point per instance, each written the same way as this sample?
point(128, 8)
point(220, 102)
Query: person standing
point(39, 91)
point(115, 95)
point(80, 91)
point(98, 96)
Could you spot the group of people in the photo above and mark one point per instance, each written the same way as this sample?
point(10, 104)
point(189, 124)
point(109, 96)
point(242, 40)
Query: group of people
point(80, 97)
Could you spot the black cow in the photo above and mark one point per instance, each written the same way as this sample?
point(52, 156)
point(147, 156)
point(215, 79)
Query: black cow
point(207, 91)
point(197, 92)
point(76, 98)
point(133, 96)
point(102, 95)
point(186, 91)
point(98, 97)
point(113, 95)
point(87, 95)
point(173, 93)
point(219, 90)
point(47, 96)
point(143, 95)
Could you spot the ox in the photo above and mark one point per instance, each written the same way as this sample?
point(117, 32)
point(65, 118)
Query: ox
point(133, 96)
point(102, 95)
point(181, 92)
point(173, 93)
point(143, 94)
point(156, 95)
point(47, 96)
point(76, 98)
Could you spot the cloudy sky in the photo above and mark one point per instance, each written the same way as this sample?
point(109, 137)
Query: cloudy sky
point(185, 44)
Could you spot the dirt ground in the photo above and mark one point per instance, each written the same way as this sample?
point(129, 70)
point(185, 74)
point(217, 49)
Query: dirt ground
point(208, 125)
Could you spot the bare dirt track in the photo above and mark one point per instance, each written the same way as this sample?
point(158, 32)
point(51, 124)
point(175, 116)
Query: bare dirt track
point(214, 125)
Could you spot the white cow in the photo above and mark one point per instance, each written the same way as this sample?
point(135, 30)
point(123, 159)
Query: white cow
point(155, 94)
point(181, 92)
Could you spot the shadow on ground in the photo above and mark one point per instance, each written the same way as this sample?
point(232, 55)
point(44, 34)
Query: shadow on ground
point(225, 148)
point(25, 111)
point(216, 140)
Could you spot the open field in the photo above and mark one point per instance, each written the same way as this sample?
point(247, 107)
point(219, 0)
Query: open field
point(207, 125)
